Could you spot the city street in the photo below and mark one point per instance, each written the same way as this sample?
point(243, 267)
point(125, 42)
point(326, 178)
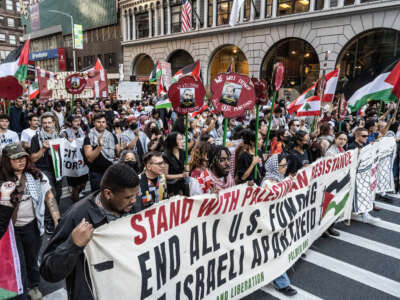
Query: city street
point(362, 263)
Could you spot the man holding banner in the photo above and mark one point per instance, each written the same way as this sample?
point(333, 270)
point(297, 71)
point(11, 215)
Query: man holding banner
point(63, 257)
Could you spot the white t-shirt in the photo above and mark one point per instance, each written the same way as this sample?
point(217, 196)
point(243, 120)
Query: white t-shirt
point(27, 135)
point(8, 138)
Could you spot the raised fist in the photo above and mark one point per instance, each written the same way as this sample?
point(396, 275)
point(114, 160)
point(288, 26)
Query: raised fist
point(7, 188)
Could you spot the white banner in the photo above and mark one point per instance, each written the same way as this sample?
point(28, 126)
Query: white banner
point(67, 158)
point(374, 173)
point(128, 90)
point(220, 246)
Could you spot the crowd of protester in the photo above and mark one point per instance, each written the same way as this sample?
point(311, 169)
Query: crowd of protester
point(136, 157)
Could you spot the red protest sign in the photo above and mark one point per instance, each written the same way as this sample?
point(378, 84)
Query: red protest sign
point(260, 88)
point(278, 70)
point(75, 83)
point(186, 95)
point(232, 94)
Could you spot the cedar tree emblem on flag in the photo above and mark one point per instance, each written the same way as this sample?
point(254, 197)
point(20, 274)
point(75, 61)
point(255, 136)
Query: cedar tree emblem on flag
point(329, 193)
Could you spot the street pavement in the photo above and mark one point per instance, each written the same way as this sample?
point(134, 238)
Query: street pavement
point(362, 263)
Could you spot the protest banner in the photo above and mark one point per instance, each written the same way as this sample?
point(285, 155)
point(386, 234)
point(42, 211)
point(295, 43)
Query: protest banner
point(67, 158)
point(219, 246)
point(374, 173)
point(130, 90)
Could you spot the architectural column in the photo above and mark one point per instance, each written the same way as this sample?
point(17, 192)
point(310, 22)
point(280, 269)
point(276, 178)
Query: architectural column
point(198, 4)
point(214, 23)
point(241, 14)
point(133, 25)
point(252, 10)
point(155, 19)
point(162, 19)
point(123, 26)
point(169, 18)
point(205, 13)
point(150, 21)
point(262, 9)
point(312, 5)
point(129, 25)
point(340, 3)
point(327, 4)
point(274, 8)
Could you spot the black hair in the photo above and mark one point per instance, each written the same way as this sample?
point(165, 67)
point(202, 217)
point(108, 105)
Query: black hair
point(119, 177)
point(99, 116)
point(291, 122)
point(278, 110)
point(31, 116)
point(281, 156)
point(170, 141)
point(215, 154)
point(337, 134)
point(179, 125)
point(205, 137)
point(4, 116)
point(369, 124)
point(149, 155)
point(298, 137)
point(248, 136)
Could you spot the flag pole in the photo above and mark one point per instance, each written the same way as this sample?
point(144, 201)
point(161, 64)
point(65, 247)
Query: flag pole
point(225, 130)
point(186, 138)
point(321, 89)
point(256, 145)
point(195, 13)
point(338, 114)
point(269, 122)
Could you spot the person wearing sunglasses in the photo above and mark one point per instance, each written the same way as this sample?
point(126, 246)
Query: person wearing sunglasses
point(360, 139)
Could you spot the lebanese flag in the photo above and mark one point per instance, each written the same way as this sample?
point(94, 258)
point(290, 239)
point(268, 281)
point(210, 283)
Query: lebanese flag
point(331, 80)
point(193, 69)
point(299, 101)
point(16, 64)
point(312, 107)
point(385, 87)
point(10, 270)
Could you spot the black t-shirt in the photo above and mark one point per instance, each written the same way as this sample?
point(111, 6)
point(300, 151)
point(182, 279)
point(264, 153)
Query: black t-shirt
point(100, 164)
point(297, 160)
point(44, 163)
point(354, 145)
point(244, 162)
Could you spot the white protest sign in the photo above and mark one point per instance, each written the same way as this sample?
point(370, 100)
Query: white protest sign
point(219, 246)
point(129, 90)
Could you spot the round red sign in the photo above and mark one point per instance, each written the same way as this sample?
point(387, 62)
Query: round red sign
point(186, 95)
point(75, 83)
point(232, 94)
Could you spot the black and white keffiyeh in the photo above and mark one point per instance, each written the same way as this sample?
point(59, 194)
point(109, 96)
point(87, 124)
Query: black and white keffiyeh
point(44, 136)
point(272, 169)
point(108, 149)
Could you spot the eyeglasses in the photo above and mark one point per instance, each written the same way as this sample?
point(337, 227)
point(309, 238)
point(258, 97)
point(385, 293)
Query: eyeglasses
point(364, 136)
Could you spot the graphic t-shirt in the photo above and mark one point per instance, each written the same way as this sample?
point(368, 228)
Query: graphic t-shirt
point(8, 137)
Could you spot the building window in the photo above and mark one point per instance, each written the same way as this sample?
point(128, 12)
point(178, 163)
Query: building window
point(224, 8)
point(10, 22)
point(9, 5)
point(176, 18)
point(268, 8)
point(287, 7)
point(2, 37)
point(21, 39)
point(210, 13)
point(12, 39)
point(17, 6)
point(142, 24)
point(110, 60)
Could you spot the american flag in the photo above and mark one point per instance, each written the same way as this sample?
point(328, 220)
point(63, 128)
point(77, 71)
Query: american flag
point(186, 16)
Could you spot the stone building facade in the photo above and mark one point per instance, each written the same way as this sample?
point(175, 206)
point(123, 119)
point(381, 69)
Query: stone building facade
point(333, 27)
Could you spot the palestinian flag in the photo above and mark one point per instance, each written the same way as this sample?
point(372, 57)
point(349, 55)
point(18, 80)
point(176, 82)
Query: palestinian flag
point(330, 191)
point(163, 104)
point(193, 69)
point(299, 101)
point(56, 157)
point(385, 87)
point(33, 90)
point(156, 73)
point(10, 271)
point(312, 107)
point(16, 63)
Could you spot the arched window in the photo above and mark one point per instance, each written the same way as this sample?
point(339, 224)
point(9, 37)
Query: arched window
point(142, 67)
point(300, 60)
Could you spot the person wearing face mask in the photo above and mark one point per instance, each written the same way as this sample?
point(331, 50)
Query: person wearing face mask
point(132, 159)
point(294, 126)
point(299, 155)
point(135, 139)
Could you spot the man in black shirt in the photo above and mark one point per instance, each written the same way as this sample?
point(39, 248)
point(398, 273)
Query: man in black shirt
point(100, 150)
point(18, 114)
point(64, 257)
point(360, 139)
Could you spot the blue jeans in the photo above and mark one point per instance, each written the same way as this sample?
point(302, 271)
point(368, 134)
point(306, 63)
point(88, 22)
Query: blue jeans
point(95, 179)
point(282, 281)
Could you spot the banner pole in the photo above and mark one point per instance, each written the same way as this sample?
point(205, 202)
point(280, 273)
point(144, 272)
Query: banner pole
point(256, 145)
point(225, 130)
point(186, 138)
point(269, 123)
point(380, 109)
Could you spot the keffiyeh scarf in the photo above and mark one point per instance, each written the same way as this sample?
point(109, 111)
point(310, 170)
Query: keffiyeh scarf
point(108, 149)
point(272, 169)
point(44, 136)
point(71, 134)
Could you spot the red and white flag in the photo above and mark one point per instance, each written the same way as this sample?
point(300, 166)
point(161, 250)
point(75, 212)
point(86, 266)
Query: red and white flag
point(331, 80)
point(300, 100)
point(312, 107)
point(43, 77)
point(97, 79)
point(186, 11)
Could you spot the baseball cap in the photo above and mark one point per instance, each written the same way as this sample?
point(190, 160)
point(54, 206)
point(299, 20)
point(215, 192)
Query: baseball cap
point(14, 151)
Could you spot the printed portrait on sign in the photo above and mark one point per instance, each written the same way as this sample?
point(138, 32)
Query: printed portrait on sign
point(187, 97)
point(231, 93)
point(75, 82)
